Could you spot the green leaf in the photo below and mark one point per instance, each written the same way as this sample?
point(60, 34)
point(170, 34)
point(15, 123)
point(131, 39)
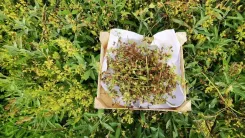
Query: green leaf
point(127, 22)
point(218, 15)
point(155, 135)
point(38, 103)
point(100, 113)
point(180, 22)
point(2, 16)
point(168, 123)
point(114, 124)
point(143, 78)
point(193, 83)
point(239, 91)
point(2, 76)
point(93, 32)
point(142, 116)
point(91, 115)
point(20, 133)
point(192, 64)
point(200, 22)
point(153, 129)
point(74, 12)
point(92, 129)
point(64, 12)
point(175, 134)
point(107, 126)
point(219, 11)
point(222, 135)
point(235, 18)
point(216, 32)
point(192, 134)
point(227, 77)
point(190, 46)
point(205, 33)
point(139, 131)
point(222, 84)
point(80, 60)
point(229, 25)
point(118, 131)
point(213, 103)
point(92, 75)
point(81, 127)
point(152, 5)
point(160, 132)
point(86, 74)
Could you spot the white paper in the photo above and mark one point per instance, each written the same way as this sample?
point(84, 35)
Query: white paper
point(165, 39)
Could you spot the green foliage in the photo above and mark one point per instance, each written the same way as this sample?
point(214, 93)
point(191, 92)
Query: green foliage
point(49, 52)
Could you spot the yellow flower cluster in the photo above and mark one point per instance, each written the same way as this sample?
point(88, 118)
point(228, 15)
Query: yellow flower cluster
point(67, 47)
point(241, 34)
point(203, 128)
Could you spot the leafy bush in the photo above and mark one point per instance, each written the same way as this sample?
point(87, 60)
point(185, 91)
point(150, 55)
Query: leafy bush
point(49, 54)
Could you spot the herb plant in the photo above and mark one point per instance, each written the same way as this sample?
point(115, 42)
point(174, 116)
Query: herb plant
point(141, 72)
point(49, 56)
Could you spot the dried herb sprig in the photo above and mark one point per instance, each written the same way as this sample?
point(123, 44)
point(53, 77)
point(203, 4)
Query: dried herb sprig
point(141, 72)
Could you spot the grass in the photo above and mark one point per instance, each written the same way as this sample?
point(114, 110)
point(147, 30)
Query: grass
point(49, 57)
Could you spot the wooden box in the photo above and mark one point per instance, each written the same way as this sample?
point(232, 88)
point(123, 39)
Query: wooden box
point(104, 101)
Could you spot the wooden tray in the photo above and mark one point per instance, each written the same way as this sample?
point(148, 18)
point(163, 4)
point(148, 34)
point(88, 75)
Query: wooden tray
point(104, 101)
